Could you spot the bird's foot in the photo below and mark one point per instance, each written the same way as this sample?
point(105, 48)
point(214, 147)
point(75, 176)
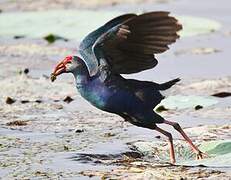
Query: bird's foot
point(173, 161)
point(200, 155)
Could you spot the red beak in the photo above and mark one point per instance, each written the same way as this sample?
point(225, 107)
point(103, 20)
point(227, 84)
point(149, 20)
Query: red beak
point(59, 69)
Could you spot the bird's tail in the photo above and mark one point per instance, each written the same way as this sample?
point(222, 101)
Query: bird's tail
point(167, 85)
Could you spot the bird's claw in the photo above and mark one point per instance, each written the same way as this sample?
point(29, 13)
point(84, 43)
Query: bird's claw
point(200, 155)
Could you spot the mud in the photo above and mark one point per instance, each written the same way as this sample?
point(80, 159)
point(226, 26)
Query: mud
point(58, 135)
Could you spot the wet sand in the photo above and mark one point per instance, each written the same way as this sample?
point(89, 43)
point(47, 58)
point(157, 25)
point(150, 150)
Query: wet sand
point(41, 136)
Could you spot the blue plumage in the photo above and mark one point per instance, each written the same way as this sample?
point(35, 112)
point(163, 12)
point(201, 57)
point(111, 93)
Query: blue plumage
point(132, 99)
point(126, 45)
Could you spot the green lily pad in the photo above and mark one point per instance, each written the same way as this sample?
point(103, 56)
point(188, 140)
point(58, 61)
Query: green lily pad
point(65, 23)
point(219, 154)
point(196, 25)
point(73, 24)
point(217, 147)
point(182, 102)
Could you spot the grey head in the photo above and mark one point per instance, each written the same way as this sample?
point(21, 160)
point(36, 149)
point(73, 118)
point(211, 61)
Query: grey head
point(70, 64)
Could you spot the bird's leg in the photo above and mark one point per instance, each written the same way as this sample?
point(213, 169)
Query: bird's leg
point(170, 141)
point(199, 154)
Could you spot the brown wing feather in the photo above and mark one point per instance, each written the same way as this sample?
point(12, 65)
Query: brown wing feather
point(138, 39)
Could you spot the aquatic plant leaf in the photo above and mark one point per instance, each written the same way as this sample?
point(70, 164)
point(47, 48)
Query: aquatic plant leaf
point(222, 94)
point(182, 102)
point(219, 152)
point(51, 38)
point(73, 24)
point(65, 23)
point(217, 147)
point(196, 25)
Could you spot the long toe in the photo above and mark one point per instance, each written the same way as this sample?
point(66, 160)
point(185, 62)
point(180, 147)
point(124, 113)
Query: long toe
point(173, 161)
point(201, 155)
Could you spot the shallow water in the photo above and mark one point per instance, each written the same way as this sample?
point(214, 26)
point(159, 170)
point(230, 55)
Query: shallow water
point(50, 145)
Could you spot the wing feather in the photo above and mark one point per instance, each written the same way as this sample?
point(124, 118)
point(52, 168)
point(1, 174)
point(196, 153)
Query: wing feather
point(129, 45)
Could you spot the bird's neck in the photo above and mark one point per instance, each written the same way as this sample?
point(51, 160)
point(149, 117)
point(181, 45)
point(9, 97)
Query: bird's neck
point(81, 75)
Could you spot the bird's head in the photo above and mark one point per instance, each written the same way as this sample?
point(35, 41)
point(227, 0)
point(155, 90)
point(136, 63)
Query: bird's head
point(67, 65)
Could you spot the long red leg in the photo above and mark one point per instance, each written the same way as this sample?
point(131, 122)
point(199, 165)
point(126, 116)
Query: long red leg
point(180, 130)
point(170, 141)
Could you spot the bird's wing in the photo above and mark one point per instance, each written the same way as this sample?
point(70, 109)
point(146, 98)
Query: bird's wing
point(129, 47)
point(85, 48)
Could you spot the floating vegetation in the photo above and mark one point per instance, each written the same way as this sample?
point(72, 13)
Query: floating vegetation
point(79, 130)
point(10, 100)
point(197, 51)
point(25, 101)
point(197, 107)
point(71, 24)
point(182, 102)
point(17, 123)
point(68, 99)
point(51, 38)
point(196, 25)
point(217, 147)
point(19, 37)
point(222, 94)
point(161, 109)
point(219, 154)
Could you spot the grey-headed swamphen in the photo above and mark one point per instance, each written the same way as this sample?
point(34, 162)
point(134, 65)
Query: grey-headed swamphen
point(126, 45)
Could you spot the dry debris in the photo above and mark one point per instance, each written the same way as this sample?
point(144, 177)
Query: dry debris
point(17, 123)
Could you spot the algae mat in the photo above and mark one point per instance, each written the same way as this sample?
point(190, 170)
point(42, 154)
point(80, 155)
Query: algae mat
point(75, 24)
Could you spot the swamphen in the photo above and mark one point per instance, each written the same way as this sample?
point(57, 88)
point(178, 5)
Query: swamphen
point(126, 45)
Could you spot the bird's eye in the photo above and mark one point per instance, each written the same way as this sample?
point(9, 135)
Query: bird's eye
point(69, 62)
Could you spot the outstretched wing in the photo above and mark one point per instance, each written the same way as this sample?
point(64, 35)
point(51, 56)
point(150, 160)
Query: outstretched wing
point(86, 45)
point(130, 46)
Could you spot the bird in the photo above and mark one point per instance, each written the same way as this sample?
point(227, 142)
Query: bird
point(126, 44)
